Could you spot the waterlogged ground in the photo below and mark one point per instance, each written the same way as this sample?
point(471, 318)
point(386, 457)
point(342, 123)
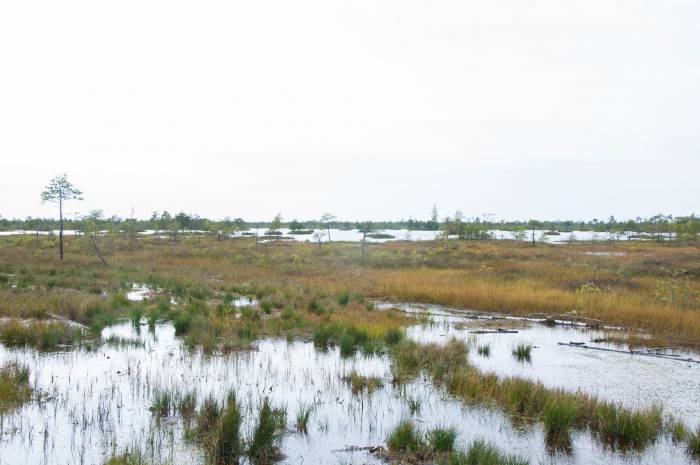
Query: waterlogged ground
point(353, 235)
point(96, 401)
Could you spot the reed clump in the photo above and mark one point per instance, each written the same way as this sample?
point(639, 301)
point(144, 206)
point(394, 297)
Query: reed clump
point(405, 438)
point(694, 443)
point(262, 447)
point(359, 383)
point(227, 445)
point(14, 386)
point(523, 352)
point(482, 453)
point(303, 417)
point(484, 350)
point(441, 439)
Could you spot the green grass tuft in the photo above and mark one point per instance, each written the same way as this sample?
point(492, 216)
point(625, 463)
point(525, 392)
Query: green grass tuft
point(523, 352)
point(442, 439)
point(303, 417)
point(405, 438)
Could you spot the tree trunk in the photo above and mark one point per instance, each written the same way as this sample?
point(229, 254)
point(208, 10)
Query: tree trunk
point(329, 232)
point(533, 237)
point(97, 251)
point(60, 232)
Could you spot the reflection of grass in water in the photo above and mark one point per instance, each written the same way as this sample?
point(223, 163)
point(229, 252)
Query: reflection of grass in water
point(484, 350)
point(522, 352)
point(14, 386)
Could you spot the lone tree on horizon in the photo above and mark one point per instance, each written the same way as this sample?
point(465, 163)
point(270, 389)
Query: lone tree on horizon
point(328, 218)
point(59, 191)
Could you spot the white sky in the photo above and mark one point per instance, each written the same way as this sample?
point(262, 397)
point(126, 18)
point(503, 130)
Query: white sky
point(365, 108)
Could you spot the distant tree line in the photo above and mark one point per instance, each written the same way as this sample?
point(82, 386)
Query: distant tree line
point(660, 226)
point(60, 190)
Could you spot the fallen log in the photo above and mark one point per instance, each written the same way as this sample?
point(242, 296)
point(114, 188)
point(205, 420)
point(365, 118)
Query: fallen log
point(630, 352)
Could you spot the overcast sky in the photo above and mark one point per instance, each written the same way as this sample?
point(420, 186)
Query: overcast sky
point(364, 108)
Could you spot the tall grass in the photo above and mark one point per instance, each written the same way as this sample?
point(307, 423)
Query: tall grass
point(414, 405)
point(441, 439)
point(405, 438)
point(559, 415)
point(303, 417)
point(694, 443)
point(484, 350)
point(41, 335)
point(262, 448)
point(163, 403)
point(482, 453)
point(523, 352)
point(227, 446)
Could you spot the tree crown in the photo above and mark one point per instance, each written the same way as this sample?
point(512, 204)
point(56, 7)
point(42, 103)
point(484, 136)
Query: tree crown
point(60, 189)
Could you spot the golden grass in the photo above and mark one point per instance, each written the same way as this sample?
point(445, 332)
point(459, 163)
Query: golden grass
point(526, 296)
point(490, 276)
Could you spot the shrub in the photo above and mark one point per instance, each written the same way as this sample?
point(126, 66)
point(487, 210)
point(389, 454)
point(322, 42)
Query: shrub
point(343, 298)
